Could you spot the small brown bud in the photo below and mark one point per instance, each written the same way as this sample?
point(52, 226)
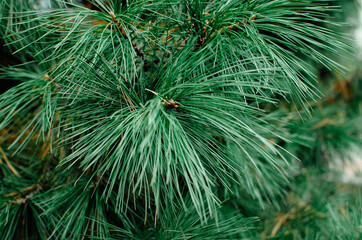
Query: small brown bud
point(252, 18)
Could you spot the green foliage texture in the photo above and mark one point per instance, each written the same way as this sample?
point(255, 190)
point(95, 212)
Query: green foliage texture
point(165, 119)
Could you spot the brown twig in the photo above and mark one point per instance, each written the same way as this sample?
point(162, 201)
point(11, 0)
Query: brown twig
point(252, 18)
point(124, 34)
point(21, 200)
point(11, 167)
point(119, 25)
point(170, 104)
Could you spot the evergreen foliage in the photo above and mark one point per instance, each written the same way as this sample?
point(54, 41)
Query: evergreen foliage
point(166, 119)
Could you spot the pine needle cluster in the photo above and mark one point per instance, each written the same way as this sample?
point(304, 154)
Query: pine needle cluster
point(164, 119)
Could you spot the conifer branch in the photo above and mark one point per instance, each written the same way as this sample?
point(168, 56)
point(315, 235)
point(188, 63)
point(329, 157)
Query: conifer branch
point(167, 120)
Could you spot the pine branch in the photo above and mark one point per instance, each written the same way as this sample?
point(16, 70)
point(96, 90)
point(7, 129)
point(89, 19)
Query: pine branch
point(151, 115)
